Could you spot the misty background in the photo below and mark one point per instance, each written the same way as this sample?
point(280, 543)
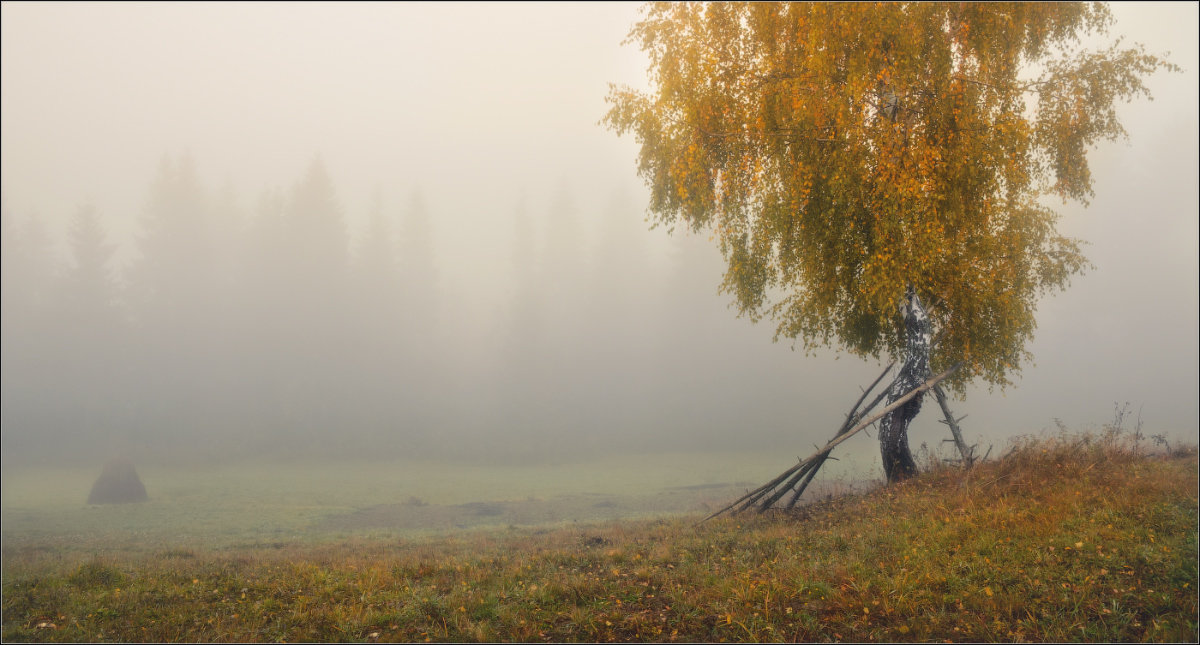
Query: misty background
point(396, 230)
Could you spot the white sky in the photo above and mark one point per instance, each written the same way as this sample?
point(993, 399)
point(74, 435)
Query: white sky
point(476, 104)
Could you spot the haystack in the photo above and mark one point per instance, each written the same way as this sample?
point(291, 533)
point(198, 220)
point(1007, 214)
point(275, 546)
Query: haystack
point(118, 484)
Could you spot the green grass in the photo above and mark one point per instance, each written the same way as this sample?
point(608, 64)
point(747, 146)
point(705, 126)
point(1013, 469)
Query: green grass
point(245, 503)
point(1076, 538)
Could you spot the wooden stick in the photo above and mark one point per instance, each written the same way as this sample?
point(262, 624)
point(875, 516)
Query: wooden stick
point(803, 479)
point(850, 417)
point(810, 467)
point(804, 484)
point(892, 406)
point(751, 497)
point(967, 454)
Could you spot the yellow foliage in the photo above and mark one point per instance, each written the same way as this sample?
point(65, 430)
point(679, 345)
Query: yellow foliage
point(863, 148)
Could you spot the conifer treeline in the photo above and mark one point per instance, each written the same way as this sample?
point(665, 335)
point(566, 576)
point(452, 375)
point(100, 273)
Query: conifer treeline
point(272, 332)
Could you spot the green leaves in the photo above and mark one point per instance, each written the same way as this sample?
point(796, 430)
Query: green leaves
point(843, 151)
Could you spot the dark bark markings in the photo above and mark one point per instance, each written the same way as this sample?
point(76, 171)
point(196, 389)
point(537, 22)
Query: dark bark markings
point(898, 462)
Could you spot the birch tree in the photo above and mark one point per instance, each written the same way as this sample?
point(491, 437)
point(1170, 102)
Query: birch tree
point(877, 175)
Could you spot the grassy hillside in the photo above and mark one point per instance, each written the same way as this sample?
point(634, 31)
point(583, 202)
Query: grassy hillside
point(1071, 538)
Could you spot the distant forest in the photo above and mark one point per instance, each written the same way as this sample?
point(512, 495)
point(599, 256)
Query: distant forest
point(272, 332)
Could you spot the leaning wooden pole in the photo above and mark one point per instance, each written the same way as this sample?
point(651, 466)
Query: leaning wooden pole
point(852, 417)
point(804, 477)
point(967, 453)
point(808, 465)
point(799, 470)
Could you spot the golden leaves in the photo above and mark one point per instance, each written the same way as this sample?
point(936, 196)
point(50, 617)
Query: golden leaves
point(767, 122)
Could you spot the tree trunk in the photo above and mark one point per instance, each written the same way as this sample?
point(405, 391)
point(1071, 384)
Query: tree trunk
point(898, 462)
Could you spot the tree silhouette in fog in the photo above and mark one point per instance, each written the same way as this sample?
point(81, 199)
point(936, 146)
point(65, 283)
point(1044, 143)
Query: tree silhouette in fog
point(91, 327)
point(173, 270)
point(418, 270)
point(270, 334)
point(316, 236)
point(90, 289)
point(27, 276)
point(28, 269)
point(376, 269)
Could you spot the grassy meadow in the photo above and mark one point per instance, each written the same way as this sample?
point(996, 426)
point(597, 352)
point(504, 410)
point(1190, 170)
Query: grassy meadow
point(1075, 537)
point(230, 505)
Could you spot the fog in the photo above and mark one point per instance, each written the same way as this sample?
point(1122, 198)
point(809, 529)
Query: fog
point(273, 230)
